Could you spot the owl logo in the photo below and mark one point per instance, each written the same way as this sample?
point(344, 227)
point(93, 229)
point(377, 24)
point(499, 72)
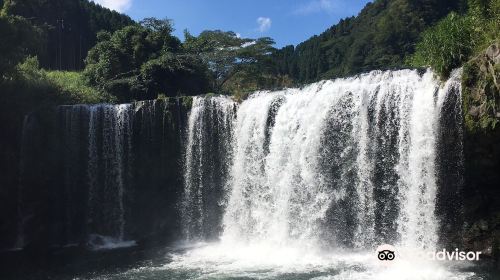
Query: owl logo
point(386, 255)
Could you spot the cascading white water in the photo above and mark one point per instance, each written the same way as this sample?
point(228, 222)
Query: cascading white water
point(207, 154)
point(379, 122)
point(348, 163)
point(192, 196)
point(248, 165)
point(417, 223)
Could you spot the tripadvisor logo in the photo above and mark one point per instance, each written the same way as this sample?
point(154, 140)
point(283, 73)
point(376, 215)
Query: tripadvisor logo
point(456, 255)
point(387, 253)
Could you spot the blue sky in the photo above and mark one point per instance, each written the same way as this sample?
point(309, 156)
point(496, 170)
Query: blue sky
point(286, 21)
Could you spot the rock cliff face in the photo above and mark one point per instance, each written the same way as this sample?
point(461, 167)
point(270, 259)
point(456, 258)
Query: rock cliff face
point(481, 104)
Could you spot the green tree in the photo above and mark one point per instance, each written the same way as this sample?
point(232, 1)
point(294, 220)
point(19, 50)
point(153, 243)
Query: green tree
point(143, 60)
point(15, 45)
point(175, 74)
point(227, 55)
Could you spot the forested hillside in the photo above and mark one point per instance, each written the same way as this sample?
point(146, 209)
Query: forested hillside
point(69, 28)
point(380, 37)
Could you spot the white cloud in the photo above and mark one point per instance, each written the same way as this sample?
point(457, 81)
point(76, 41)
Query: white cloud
point(264, 24)
point(117, 5)
point(316, 6)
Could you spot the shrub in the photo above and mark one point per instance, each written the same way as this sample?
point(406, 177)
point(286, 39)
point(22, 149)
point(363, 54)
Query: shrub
point(32, 88)
point(446, 46)
point(73, 85)
point(457, 38)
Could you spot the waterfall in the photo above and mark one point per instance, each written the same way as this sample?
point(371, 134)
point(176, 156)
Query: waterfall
point(343, 163)
point(250, 134)
point(99, 175)
point(207, 155)
point(108, 171)
point(301, 182)
point(96, 152)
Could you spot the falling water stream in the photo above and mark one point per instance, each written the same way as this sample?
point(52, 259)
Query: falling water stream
point(112, 127)
point(96, 150)
point(206, 166)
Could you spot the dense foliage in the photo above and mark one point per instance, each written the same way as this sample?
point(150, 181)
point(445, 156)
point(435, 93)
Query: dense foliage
point(380, 37)
point(456, 38)
point(69, 28)
point(13, 45)
point(141, 61)
point(36, 87)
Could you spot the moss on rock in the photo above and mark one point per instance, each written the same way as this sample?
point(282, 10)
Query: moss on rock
point(187, 102)
point(481, 91)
